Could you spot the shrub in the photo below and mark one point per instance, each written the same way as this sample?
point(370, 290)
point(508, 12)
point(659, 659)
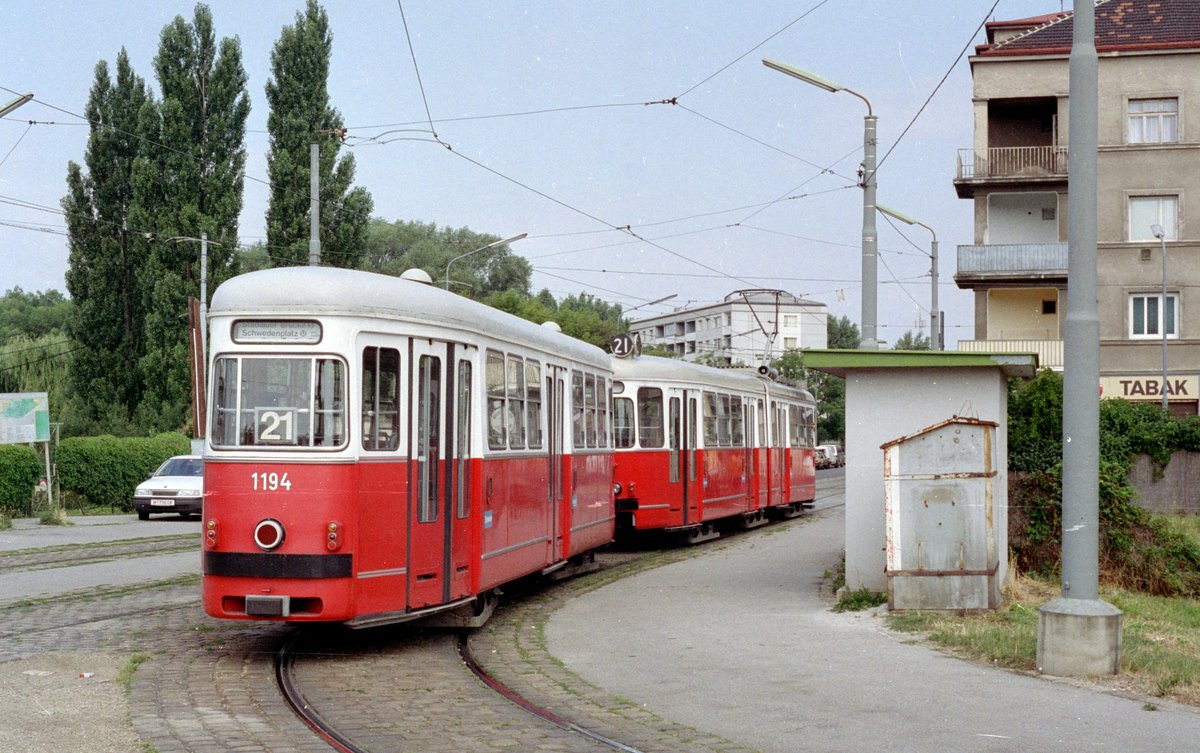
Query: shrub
point(19, 471)
point(106, 469)
point(1136, 552)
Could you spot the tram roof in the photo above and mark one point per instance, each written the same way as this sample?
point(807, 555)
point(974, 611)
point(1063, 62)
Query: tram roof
point(296, 292)
point(656, 368)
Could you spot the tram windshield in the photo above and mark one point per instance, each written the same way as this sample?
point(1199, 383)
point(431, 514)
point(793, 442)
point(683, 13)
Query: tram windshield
point(287, 402)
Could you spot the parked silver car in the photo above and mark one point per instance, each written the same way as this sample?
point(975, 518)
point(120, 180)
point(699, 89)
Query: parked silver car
point(177, 487)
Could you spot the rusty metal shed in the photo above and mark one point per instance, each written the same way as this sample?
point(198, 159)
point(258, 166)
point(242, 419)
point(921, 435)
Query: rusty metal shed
point(940, 519)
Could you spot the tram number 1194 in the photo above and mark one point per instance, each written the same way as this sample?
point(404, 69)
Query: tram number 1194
point(271, 482)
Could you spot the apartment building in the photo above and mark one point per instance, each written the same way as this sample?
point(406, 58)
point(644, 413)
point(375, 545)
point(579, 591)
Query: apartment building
point(739, 327)
point(1148, 163)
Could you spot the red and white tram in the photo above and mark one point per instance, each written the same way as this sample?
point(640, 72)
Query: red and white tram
point(380, 449)
point(696, 444)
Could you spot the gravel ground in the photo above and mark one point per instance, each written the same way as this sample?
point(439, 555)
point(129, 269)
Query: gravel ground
point(61, 702)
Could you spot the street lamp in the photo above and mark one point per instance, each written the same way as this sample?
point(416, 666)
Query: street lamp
point(870, 243)
point(935, 328)
point(6, 109)
point(1159, 233)
point(650, 303)
point(482, 248)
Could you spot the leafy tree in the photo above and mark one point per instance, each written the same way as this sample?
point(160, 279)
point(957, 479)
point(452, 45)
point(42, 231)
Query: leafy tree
point(393, 247)
point(108, 250)
point(719, 361)
point(912, 341)
point(842, 334)
point(829, 390)
point(193, 184)
point(32, 315)
point(300, 113)
point(36, 365)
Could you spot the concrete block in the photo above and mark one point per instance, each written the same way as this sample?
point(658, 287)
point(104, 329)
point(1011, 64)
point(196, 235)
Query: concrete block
point(1079, 637)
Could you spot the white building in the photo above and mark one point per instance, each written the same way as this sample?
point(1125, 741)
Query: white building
point(739, 328)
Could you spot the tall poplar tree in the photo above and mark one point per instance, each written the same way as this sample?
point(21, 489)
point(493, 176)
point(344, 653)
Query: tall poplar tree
point(300, 114)
point(192, 186)
point(108, 250)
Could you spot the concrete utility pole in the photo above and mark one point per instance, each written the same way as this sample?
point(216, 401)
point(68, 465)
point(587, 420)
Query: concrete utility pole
point(1078, 634)
point(935, 340)
point(870, 241)
point(314, 204)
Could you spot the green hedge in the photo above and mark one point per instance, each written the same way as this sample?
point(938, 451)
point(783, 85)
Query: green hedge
point(106, 469)
point(19, 471)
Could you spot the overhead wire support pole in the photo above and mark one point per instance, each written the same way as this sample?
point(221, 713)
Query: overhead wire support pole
point(1078, 634)
point(870, 240)
point(314, 204)
point(935, 324)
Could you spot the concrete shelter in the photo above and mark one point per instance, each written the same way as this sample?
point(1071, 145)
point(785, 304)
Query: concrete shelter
point(892, 394)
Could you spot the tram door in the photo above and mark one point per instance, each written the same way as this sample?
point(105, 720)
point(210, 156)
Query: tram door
point(776, 455)
point(681, 448)
point(555, 398)
point(439, 466)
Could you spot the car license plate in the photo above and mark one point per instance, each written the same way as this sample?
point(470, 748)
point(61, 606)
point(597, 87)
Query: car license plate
point(162, 503)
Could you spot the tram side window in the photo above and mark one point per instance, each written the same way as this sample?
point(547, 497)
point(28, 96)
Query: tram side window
point(650, 416)
point(590, 418)
point(762, 423)
point(622, 422)
point(604, 401)
point(533, 402)
point(380, 398)
point(809, 418)
point(281, 402)
point(710, 420)
point(516, 403)
point(737, 435)
point(578, 433)
point(494, 371)
point(796, 428)
point(724, 434)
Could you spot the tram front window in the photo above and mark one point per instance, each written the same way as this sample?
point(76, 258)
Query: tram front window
point(279, 402)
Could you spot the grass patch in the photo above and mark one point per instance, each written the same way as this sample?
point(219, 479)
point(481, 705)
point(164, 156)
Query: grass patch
point(856, 601)
point(125, 676)
point(1160, 651)
point(54, 516)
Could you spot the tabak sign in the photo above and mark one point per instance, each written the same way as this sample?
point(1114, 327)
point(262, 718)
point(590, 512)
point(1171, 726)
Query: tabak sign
point(1150, 388)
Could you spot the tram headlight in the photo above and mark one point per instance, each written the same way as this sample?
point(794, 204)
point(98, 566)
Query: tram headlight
point(210, 533)
point(616, 488)
point(333, 536)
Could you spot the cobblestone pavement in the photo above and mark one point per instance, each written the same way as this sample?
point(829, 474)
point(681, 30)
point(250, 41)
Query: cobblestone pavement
point(206, 685)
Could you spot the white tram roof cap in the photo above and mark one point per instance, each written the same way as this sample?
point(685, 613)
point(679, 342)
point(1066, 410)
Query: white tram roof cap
point(296, 292)
point(658, 369)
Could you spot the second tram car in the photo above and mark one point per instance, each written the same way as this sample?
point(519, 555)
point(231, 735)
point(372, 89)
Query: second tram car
point(696, 445)
point(380, 449)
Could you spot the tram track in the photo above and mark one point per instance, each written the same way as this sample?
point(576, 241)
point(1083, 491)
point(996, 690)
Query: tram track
point(505, 665)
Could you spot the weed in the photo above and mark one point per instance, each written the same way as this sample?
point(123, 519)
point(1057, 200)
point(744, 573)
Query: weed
point(125, 676)
point(55, 516)
point(856, 601)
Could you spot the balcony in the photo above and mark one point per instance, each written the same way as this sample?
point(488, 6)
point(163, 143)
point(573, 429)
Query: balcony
point(1012, 264)
point(1049, 352)
point(1009, 166)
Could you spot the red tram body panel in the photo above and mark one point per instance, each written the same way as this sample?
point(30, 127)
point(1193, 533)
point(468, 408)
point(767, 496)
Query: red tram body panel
point(380, 449)
point(696, 444)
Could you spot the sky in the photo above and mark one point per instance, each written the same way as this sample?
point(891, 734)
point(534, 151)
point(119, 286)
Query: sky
point(569, 121)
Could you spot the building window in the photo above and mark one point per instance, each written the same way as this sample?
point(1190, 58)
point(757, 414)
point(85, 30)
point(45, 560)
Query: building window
point(1146, 316)
point(789, 343)
point(1145, 211)
point(1049, 307)
point(1153, 121)
point(790, 321)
